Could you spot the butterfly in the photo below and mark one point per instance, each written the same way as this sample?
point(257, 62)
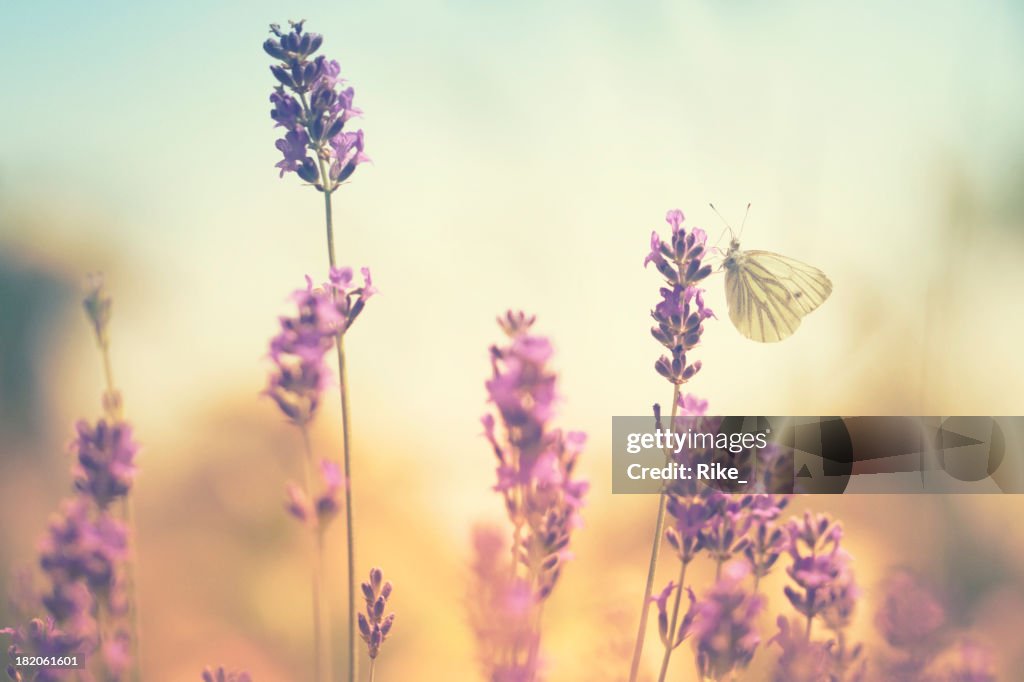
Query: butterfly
point(769, 294)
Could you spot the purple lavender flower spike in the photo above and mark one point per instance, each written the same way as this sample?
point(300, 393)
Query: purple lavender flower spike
point(681, 312)
point(536, 463)
point(818, 562)
point(313, 105)
point(298, 350)
point(374, 626)
point(105, 466)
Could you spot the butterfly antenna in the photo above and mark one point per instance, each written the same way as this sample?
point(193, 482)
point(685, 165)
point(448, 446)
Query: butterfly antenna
point(744, 223)
point(724, 222)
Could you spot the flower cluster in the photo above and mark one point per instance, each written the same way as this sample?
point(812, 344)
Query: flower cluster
point(374, 626)
point(825, 591)
point(105, 460)
point(312, 104)
point(724, 630)
point(298, 350)
point(536, 477)
point(819, 566)
point(536, 463)
point(681, 312)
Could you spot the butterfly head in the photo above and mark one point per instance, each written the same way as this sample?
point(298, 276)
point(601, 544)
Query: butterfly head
point(729, 261)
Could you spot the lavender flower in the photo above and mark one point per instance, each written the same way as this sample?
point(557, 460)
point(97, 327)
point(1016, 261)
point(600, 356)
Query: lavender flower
point(535, 462)
point(681, 312)
point(536, 467)
point(312, 105)
point(298, 350)
point(818, 562)
point(374, 626)
point(105, 466)
point(724, 630)
point(222, 675)
point(827, 590)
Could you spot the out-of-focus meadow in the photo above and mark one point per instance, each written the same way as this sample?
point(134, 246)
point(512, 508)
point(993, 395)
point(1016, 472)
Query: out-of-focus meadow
point(522, 154)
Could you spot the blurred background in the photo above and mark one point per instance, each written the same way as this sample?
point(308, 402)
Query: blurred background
point(523, 153)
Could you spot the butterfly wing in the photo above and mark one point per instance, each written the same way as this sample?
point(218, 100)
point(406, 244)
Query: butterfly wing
point(769, 294)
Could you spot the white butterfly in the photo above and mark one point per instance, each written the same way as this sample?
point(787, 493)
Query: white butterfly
point(769, 294)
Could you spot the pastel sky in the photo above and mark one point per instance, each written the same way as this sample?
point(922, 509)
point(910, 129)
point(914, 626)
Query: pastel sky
point(522, 154)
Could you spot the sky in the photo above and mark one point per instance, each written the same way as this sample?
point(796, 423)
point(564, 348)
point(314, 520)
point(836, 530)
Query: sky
point(522, 154)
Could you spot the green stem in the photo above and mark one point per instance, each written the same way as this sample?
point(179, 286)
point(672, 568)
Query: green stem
point(353, 661)
point(659, 529)
point(670, 647)
point(373, 665)
point(320, 650)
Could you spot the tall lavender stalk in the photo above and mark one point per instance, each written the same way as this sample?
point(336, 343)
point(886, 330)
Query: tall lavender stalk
point(97, 304)
point(679, 318)
point(536, 465)
point(86, 553)
point(312, 105)
point(296, 383)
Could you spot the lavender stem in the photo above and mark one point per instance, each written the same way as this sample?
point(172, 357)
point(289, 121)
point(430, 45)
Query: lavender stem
point(659, 529)
point(319, 650)
point(353, 662)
